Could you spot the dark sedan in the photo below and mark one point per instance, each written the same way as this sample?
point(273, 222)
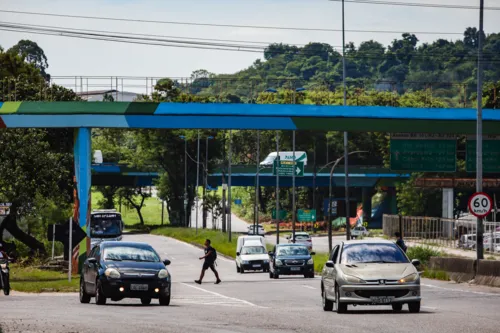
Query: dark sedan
point(291, 259)
point(118, 270)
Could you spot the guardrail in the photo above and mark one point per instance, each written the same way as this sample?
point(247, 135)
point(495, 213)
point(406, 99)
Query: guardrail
point(442, 232)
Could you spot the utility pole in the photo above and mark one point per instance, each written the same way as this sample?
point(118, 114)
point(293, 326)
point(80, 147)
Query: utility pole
point(185, 184)
point(346, 135)
point(314, 179)
point(277, 161)
point(479, 131)
point(205, 183)
point(293, 185)
point(229, 199)
point(197, 179)
point(256, 213)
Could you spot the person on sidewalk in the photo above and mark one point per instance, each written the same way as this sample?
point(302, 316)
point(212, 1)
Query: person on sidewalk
point(210, 258)
point(400, 242)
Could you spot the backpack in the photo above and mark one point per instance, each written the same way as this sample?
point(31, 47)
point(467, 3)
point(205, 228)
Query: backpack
point(214, 255)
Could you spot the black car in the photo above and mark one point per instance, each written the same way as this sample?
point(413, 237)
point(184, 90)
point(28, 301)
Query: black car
point(119, 270)
point(291, 259)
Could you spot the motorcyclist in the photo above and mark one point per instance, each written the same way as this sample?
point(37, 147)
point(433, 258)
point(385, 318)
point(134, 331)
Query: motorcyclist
point(4, 271)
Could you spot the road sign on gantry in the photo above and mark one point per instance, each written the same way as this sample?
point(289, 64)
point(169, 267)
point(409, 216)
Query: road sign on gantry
point(288, 168)
point(480, 204)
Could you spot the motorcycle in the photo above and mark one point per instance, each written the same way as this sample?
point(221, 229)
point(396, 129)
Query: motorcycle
point(4, 276)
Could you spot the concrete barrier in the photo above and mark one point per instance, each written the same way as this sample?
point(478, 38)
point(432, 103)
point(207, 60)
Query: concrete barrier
point(459, 269)
point(488, 273)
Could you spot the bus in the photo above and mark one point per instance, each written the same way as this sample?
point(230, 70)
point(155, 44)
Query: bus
point(105, 225)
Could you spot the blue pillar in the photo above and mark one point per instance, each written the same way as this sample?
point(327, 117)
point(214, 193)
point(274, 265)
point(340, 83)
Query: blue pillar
point(82, 153)
point(367, 204)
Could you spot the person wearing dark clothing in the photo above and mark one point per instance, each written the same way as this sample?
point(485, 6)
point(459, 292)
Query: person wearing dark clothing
point(400, 242)
point(210, 257)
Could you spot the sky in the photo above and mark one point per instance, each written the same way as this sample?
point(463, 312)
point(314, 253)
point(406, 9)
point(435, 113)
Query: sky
point(78, 57)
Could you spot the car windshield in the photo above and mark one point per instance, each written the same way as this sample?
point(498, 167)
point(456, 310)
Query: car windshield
point(105, 227)
point(372, 253)
point(293, 251)
point(253, 250)
point(130, 253)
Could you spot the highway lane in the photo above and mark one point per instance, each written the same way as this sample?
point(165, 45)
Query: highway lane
point(247, 303)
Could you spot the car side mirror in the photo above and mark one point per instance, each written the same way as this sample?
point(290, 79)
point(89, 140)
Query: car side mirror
point(92, 261)
point(415, 262)
point(166, 262)
point(329, 264)
point(237, 254)
point(313, 253)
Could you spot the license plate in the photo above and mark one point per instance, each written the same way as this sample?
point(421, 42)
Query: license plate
point(255, 266)
point(382, 299)
point(295, 268)
point(139, 287)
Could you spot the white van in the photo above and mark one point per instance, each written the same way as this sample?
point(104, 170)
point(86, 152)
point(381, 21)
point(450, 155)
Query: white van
point(252, 257)
point(300, 156)
point(243, 239)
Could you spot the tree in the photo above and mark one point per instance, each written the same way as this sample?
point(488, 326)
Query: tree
point(108, 196)
point(33, 54)
point(134, 198)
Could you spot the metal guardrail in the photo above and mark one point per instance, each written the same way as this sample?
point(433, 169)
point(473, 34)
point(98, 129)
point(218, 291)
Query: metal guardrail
point(442, 232)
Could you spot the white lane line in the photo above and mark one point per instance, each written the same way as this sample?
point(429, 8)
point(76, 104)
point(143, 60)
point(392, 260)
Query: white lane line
point(308, 287)
point(461, 290)
point(428, 307)
point(224, 296)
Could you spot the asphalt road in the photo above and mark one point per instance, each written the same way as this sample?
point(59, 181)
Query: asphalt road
point(247, 303)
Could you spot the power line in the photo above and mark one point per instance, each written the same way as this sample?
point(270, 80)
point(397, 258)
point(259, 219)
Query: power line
point(224, 25)
point(415, 4)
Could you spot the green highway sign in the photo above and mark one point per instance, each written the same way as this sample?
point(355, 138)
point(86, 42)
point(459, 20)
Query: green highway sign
point(491, 154)
point(423, 152)
point(306, 215)
point(282, 214)
point(288, 168)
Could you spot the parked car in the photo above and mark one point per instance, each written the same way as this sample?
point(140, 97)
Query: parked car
point(259, 230)
point(370, 272)
point(301, 238)
point(119, 270)
point(359, 231)
point(252, 257)
point(291, 259)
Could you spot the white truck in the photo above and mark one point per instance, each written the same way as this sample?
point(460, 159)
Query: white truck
point(300, 156)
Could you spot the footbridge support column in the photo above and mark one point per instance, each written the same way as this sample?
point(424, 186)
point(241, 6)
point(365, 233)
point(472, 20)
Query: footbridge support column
point(82, 152)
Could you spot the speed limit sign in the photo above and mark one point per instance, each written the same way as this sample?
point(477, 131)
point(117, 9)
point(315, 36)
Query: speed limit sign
point(480, 204)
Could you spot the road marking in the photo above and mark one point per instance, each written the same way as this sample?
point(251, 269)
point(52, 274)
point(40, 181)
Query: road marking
point(461, 290)
point(308, 287)
point(231, 299)
point(428, 307)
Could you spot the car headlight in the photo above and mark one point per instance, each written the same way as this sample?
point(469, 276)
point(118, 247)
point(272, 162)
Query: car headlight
point(163, 274)
point(265, 261)
point(245, 262)
point(310, 262)
point(279, 262)
point(3, 266)
point(409, 278)
point(112, 273)
point(353, 279)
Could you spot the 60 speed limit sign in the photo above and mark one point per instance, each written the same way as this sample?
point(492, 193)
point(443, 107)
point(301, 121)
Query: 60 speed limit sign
point(480, 204)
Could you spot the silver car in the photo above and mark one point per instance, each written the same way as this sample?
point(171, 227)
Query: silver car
point(370, 272)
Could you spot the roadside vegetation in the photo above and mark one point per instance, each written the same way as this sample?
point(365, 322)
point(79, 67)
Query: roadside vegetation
point(33, 280)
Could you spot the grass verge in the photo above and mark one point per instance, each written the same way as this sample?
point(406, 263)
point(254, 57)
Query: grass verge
point(33, 280)
point(219, 240)
point(436, 274)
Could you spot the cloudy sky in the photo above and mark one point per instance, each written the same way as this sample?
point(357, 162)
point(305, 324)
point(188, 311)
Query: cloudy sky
point(70, 56)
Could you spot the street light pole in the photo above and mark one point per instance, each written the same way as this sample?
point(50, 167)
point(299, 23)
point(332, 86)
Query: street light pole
point(185, 180)
point(330, 199)
point(293, 186)
point(277, 188)
point(479, 131)
point(205, 182)
point(256, 213)
point(229, 199)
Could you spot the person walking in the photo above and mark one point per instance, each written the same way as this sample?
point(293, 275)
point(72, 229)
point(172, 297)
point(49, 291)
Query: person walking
point(400, 242)
point(210, 258)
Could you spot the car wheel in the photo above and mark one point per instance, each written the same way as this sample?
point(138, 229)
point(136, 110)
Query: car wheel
point(100, 299)
point(145, 301)
point(271, 275)
point(414, 307)
point(397, 307)
point(339, 307)
point(276, 276)
point(311, 276)
point(237, 269)
point(242, 271)
point(84, 297)
point(327, 304)
point(165, 300)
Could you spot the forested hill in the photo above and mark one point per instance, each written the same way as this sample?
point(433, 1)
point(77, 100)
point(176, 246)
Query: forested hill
point(404, 64)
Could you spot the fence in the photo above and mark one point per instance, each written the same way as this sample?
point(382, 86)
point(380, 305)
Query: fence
point(442, 232)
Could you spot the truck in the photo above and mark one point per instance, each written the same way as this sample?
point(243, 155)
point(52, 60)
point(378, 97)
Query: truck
point(300, 156)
